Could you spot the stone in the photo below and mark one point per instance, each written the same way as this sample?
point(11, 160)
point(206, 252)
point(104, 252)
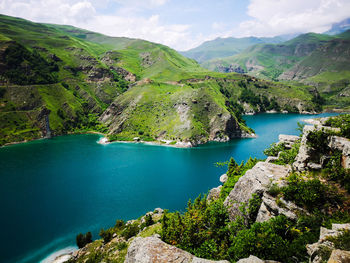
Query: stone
point(338, 227)
point(314, 166)
point(152, 249)
point(254, 181)
point(251, 259)
point(339, 256)
point(214, 193)
point(288, 140)
point(223, 178)
point(343, 145)
point(269, 208)
point(271, 159)
point(303, 155)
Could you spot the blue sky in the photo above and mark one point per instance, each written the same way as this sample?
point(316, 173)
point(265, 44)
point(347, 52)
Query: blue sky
point(184, 24)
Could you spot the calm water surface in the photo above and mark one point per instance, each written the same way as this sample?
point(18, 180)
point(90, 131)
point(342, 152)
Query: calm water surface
point(52, 189)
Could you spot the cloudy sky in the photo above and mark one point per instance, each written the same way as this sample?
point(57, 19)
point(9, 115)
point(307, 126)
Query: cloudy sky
point(184, 24)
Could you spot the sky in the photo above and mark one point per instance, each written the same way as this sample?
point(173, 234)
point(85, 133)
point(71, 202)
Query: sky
point(184, 24)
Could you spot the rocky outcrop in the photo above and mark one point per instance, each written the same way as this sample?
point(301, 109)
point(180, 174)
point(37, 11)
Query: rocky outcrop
point(270, 208)
point(214, 193)
point(343, 145)
point(254, 259)
point(254, 181)
point(152, 249)
point(288, 140)
point(339, 256)
point(320, 251)
point(304, 154)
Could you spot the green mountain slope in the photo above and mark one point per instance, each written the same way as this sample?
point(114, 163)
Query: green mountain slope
point(313, 59)
point(60, 79)
point(225, 47)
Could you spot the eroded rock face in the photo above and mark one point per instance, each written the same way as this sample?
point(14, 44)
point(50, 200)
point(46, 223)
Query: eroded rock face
point(255, 181)
point(343, 145)
point(254, 259)
point(316, 250)
point(304, 154)
point(269, 208)
point(214, 193)
point(152, 249)
point(339, 256)
point(288, 140)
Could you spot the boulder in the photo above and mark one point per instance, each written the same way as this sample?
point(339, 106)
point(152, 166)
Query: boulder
point(288, 140)
point(320, 251)
point(271, 159)
point(339, 256)
point(223, 178)
point(304, 154)
point(254, 181)
point(269, 208)
point(343, 145)
point(251, 259)
point(214, 193)
point(254, 259)
point(152, 249)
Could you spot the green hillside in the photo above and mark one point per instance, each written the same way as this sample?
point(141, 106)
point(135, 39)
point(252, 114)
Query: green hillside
point(60, 79)
point(313, 59)
point(225, 47)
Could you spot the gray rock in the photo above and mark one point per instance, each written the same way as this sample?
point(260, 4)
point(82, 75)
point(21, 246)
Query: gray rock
point(254, 259)
point(254, 181)
point(303, 155)
point(314, 166)
point(269, 208)
point(152, 249)
point(288, 140)
point(251, 259)
point(339, 256)
point(223, 178)
point(316, 250)
point(214, 193)
point(343, 145)
point(271, 159)
point(338, 227)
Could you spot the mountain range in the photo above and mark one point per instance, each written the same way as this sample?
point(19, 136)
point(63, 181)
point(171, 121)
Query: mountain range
point(57, 79)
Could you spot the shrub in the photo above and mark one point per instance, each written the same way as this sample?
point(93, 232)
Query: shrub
point(311, 194)
point(107, 235)
point(274, 149)
point(130, 230)
point(83, 239)
point(341, 241)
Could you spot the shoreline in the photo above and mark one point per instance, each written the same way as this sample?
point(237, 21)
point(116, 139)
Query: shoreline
point(159, 143)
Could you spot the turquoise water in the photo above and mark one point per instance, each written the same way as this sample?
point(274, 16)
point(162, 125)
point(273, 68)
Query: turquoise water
point(55, 188)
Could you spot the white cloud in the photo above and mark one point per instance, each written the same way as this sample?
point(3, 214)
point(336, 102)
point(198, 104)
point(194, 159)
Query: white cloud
point(125, 22)
point(274, 17)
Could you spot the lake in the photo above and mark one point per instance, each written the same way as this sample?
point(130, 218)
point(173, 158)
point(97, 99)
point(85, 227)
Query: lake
point(53, 189)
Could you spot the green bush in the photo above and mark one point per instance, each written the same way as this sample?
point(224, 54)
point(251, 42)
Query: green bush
point(130, 230)
point(274, 149)
point(311, 194)
point(107, 235)
point(83, 239)
point(342, 241)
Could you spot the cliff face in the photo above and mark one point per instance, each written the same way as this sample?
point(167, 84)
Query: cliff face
point(171, 113)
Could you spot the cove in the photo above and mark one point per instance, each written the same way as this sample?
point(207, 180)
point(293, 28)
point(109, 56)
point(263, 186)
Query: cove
point(55, 188)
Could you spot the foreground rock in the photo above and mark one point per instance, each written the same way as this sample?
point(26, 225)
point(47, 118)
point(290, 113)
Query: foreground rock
point(325, 250)
point(255, 181)
point(254, 259)
point(152, 249)
point(269, 208)
point(288, 140)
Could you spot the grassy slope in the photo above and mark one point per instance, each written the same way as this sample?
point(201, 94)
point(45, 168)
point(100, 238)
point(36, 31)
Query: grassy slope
point(314, 59)
point(82, 53)
point(225, 47)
